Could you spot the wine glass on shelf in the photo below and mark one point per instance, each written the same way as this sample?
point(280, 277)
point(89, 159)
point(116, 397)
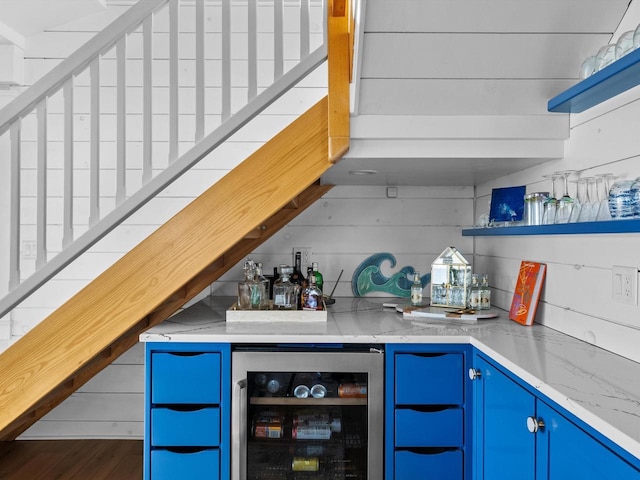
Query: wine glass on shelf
point(584, 198)
point(603, 185)
point(549, 211)
point(564, 203)
point(581, 200)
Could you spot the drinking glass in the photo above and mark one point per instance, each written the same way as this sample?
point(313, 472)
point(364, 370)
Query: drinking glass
point(635, 197)
point(588, 67)
point(605, 56)
point(580, 200)
point(586, 205)
point(621, 201)
point(549, 214)
point(564, 203)
point(593, 199)
point(603, 184)
point(624, 44)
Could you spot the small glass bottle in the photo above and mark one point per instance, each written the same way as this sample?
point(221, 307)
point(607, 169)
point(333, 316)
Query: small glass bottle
point(485, 292)
point(311, 298)
point(416, 289)
point(474, 293)
point(263, 286)
point(318, 275)
point(285, 293)
point(247, 289)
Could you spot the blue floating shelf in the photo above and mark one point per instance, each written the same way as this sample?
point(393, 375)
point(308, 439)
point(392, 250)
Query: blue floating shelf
point(612, 226)
point(612, 80)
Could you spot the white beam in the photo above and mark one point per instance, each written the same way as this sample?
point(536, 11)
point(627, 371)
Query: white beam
point(434, 127)
point(10, 36)
point(11, 65)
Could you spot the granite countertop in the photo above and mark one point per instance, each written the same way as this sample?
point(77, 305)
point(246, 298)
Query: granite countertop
point(599, 387)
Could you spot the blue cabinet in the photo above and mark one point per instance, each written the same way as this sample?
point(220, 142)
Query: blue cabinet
point(187, 411)
point(565, 450)
point(427, 419)
point(519, 434)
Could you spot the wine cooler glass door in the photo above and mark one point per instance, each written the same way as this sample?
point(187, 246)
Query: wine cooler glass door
point(307, 415)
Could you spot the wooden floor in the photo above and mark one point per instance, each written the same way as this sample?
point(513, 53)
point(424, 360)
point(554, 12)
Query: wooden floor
point(71, 459)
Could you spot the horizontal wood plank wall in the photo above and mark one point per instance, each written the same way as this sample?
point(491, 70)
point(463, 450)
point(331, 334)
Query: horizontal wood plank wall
point(351, 223)
point(578, 297)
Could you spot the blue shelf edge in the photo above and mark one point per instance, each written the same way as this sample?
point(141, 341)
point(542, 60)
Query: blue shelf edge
point(612, 226)
point(612, 80)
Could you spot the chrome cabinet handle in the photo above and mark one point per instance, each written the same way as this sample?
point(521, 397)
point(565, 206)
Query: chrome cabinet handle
point(534, 424)
point(474, 373)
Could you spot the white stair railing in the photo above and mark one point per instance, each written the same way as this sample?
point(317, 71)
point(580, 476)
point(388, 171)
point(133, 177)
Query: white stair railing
point(47, 125)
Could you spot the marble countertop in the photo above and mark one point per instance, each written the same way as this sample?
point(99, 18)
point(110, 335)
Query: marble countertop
point(599, 387)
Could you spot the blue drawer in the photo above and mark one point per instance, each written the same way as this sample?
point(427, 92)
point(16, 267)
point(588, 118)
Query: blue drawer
point(429, 379)
point(429, 429)
point(168, 465)
point(173, 428)
point(185, 378)
point(442, 466)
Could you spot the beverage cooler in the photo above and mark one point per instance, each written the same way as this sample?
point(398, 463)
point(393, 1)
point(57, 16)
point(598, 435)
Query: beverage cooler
point(307, 413)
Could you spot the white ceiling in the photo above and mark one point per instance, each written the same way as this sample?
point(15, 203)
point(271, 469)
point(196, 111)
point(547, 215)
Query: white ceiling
point(454, 92)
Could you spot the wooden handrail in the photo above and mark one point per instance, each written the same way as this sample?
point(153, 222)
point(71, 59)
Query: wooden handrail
point(339, 48)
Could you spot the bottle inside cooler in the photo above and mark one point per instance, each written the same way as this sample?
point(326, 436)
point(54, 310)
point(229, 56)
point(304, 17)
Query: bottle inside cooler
point(306, 425)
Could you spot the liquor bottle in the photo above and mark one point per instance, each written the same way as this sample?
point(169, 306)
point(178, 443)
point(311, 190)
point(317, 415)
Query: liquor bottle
point(248, 294)
point(474, 293)
point(285, 293)
point(318, 275)
point(416, 289)
point(311, 298)
point(297, 276)
point(263, 286)
point(485, 292)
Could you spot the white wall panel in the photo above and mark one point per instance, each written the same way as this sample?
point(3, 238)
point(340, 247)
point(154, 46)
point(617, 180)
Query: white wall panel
point(473, 55)
point(515, 16)
point(457, 96)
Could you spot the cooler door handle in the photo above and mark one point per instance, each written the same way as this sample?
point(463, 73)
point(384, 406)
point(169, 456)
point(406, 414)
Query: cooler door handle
point(239, 437)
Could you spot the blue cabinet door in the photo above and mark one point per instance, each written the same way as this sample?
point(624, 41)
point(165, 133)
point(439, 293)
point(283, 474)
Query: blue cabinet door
point(562, 448)
point(567, 451)
point(507, 448)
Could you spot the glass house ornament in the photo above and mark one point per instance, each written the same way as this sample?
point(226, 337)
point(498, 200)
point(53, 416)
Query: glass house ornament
point(450, 279)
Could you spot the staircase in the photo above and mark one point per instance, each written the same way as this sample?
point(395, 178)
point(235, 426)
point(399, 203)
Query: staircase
point(193, 248)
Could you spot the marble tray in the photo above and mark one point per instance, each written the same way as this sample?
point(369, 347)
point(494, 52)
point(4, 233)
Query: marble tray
point(275, 316)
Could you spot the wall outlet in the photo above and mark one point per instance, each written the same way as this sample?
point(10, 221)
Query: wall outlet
point(306, 256)
point(29, 249)
point(625, 285)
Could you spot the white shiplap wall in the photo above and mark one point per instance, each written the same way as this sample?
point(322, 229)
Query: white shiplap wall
point(577, 298)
